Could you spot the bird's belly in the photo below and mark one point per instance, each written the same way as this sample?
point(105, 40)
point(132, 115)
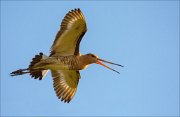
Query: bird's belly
point(57, 67)
point(65, 67)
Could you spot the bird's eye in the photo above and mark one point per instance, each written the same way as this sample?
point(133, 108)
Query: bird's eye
point(93, 56)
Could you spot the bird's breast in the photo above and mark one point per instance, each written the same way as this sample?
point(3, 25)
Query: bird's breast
point(71, 62)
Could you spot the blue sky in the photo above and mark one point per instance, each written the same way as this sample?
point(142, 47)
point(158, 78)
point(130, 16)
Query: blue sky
point(142, 36)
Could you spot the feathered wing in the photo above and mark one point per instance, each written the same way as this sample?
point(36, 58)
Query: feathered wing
point(73, 28)
point(67, 41)
point(65, 83)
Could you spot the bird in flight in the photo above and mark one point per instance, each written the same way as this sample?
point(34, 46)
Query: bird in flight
point(64, 60)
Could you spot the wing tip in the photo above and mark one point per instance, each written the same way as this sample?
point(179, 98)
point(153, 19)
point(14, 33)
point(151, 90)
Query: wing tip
point(75, 9)
point(67, 97)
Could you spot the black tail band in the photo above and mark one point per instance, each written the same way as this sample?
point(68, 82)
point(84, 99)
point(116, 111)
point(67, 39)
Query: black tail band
point(36, 73)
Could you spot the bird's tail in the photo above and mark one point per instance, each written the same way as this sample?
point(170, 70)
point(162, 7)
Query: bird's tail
point(36, 73)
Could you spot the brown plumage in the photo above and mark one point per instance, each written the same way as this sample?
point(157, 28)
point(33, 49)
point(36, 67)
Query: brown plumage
point(64, 61)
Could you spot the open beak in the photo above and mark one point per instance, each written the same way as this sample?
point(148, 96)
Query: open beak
point(100, 63)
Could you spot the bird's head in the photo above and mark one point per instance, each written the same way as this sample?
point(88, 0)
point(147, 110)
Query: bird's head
point(92, 58)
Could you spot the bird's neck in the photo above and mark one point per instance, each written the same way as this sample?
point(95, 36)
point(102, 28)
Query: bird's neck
point(83, 61)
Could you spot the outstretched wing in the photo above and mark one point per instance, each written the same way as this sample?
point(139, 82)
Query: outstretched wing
point(65, 83)
point(73, 28)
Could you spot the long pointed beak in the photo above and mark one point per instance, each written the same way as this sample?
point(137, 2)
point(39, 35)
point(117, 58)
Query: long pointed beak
point(109, 62)
point(100, 63)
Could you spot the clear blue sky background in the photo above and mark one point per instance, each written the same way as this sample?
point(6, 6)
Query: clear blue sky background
point(142, 36)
